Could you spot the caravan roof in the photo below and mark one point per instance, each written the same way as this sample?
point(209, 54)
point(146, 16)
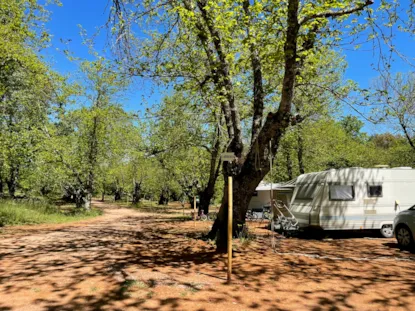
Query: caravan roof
point(354, 174)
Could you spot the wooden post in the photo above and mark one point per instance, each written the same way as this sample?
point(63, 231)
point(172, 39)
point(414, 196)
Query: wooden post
point(194, 211)
point(230, 207)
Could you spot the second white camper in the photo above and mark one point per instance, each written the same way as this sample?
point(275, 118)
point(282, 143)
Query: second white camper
point(353, 198)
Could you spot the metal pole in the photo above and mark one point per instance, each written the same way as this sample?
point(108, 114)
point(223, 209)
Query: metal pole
point(230, 206)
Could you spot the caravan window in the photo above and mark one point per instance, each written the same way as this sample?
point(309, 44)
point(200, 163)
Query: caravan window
point(374, 190)
point(305, 192)
point(341, 192)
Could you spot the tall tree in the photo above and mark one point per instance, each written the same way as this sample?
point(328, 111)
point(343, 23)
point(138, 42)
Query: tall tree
point(28, 88)
point(264, 45)
point(82, 138)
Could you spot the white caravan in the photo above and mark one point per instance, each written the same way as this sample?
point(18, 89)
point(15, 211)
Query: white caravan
point(353, 198)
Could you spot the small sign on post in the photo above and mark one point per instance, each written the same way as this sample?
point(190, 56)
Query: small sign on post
point(229, 157)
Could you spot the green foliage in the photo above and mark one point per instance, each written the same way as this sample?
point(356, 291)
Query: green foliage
point(29, 90)
point(336, 144)
point(395, 107)
point(183, 139)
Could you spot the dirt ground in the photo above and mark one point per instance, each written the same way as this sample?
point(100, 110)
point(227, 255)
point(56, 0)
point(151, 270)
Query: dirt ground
point(130, 260)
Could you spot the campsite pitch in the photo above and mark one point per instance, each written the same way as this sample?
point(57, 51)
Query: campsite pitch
point(135, 260)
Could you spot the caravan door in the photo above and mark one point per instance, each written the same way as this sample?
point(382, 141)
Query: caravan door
point(303, 203)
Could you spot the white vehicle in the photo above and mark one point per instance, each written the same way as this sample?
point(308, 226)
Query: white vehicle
point(352, 198)
point(404, 227)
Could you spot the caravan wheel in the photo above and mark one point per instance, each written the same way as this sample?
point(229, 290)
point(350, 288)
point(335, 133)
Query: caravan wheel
point(387, 231)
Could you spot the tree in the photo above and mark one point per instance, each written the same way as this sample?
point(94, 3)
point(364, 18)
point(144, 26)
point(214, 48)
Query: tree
point(396, 97)
point(82, 139)
point(263, 44)
point(187, 142)
point(28, 89)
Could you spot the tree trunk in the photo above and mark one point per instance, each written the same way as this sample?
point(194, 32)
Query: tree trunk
point(243, 189)
point(12, 181)
point(83, 199)
point(136, 192)
point(117, 194)
point(164, 197)
point(205, 198)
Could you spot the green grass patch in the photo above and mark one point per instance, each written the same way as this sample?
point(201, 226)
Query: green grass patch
point(29, 212)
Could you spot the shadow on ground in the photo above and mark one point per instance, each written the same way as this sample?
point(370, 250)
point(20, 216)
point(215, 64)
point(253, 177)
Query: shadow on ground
point(128, 260)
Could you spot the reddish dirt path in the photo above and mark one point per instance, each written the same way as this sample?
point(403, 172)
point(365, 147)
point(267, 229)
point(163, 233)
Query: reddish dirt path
point(126, 260)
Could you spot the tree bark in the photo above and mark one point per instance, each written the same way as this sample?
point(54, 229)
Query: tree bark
point(164, 197)
point(205, 197)
point(245, 172)
point(207, 194)
point(117, 194)
point(12, 181)
point(136, 192)
point(243, 188)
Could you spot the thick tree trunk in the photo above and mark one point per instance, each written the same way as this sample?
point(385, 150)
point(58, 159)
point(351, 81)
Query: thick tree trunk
point(243, 188)
point(136, 192)
point(205, 198)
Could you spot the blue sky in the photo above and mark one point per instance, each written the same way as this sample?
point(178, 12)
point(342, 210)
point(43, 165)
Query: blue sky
point(93, 13)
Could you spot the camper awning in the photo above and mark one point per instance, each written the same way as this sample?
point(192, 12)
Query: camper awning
point(264, 186)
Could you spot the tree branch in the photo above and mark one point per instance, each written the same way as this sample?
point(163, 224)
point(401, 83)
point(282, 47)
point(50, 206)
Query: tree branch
point(257, 71)
point(204, 40)
point(405, 130)
point(338, 13)
point(225, 83)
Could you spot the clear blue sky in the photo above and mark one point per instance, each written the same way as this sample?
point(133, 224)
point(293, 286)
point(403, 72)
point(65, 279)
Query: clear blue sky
point(92, 14)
